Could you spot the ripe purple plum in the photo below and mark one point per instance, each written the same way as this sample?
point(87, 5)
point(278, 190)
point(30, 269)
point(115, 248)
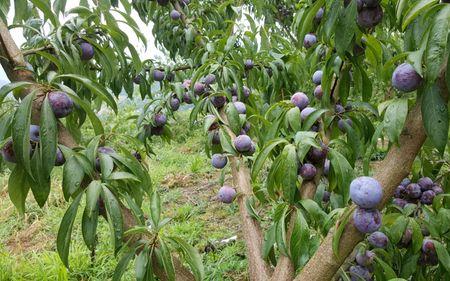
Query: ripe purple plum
point(240, 107)
point(160, 119)
point(406, 237)
point(427, 197)
point(371, 3)
point(400, 202)
point(437, 189)
point(219, 161)
point(175, 15)
point(243, 143)
point(300, 100)
point(413, 191)
point(60, 160)
point(367, 220)
point(405, 182)
point(317, 77)
point(34, 133)
point(309, 40)
point(405, 78)
point(370, 17)
point(226, 194)
point(317, 155)
point(319, 15)
point(425, 183)
point(358, 273)
point(61, 104)
point(378, 239)
point(318, 92)
point(174, 103)
point(87, 51)
point(209, 79)
point(366, 192)
point(364, 258)
point(306, 112)
point(428, 246)
point(246, 92)
point(199, 88)
point(326, 196)
point(218, 101)
point(400, 192)
point(339, 109)
point(341, 123)
point(248, 64)
point(308, 171)
point(215, 139)
point(187, 98)
point(137, 79)
point(158, 75)
point(8, 152)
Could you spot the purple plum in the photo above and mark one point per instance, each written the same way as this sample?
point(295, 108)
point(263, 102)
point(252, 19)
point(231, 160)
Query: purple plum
point(34, 133)
point(371, 3)
point(175, 15)
point(300, 100)
point(428, 246)
point(209, 79)
point(199, 88)
point(318, 93)
point(308, 171)
point(226, 194)
point(405, 78)
point(413, 191)
point(437, 189)
point(405, 182)
point(319, 15)
point(400, 192)
point(60, 160)
point(215, 137)
point(219, 161)
point(158, 75)
point(243, 143)
point(358, 273)
point(427, 197)
point(62, 105)
point(218, 101)
point(163, 2)
point(406, 237)
point(341, 123)
point(306, 112)
point(248, 64)
point(370, 17)
point(339, 109)
point(326, 196)
point(364, 258)
point(187, 98)
point(425, 183)
point(378, 239)
point(240, 107)
point(174, 103)
point(137, 79)
point(400, 202)
point(317, 155)
point(87, 51)
point(367, 220)
point(326, 167)
point(8, 152)
point(309, 40)
point(246, 92)
point(160, 119)
point(366, 192)
point(317, 77)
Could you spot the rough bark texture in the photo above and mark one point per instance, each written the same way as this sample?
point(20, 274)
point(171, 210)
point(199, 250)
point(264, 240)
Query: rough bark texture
point(396, 166)
point(258, 268)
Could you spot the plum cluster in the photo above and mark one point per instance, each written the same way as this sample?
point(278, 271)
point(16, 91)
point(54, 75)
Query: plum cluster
point(366, 193)
point(423, 191)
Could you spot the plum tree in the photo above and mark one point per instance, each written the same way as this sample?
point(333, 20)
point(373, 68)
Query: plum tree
point(295, 170)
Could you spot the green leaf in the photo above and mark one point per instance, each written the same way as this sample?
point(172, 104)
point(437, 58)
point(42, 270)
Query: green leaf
point(233, 118)
point(155, 209)
point(114, 214)
point(312, 118)
point(290, 168)
point(49, 138)
point(340, 227)
point(92, 194)
point(300, 239)
point(269, 241)
point(345, 28)
point(65, 231)
point(442, 253)
point(122, 176)
point(73, 175)
point(122, 266)
point(415, 10)
point(46, 10)
point(21, 132)
point(417, 236)
point(389, 273)
point(191, 256)
point(294, 119)
point(165, 258)
point(394, 118)
point(263, 154)
point(6, 89)
point(18, 187)
point(225, 142)
point(343, 171)
point(89, 227)
point(40, 183)
point(435, 116)
point(140, 264)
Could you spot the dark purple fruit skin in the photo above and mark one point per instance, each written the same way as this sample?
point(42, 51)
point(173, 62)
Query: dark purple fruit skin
point(341, 125)
point(248, 64)
point(104, 150)
point(300, 100)
point(339, 109)
point(137, 155)
point(326, 167)
point(242, 143)
point(199, 88)
point(34, 133)
point(174, 103)
point(187, 98)
point(240, 107)
point(218, 101)
point(246, 127)
point(60, 160)
point(160, 119)
point(87, 51)
point(364, 258)
point(370, 17)
point(226, 194)
point(61, 104)
point(317, 77)
point(406, 238)
point(357, 272)
point(326, 196)
point(427, 197)
point(367, 221)
point(210, 79)
point(400, 202)
point(158, 75)
point(306, 112)
point(405, 78)
point(428, 246)
point(366, 192)
point(371, 3)
point(175, 15)
point(219, 161)
point(162, 2)
point(317, 155)
point(309, 40)
point(400, 192)
point(437, 189)
point(425, 183)
point(428, 259)
point(137, 79)
point(215, 137)
point(318, 92)
point(405, 182)
point(246, 92)
point(308, 171)
point(378, 240)
point(319, 15)
point(8, 152)
point(413, 191)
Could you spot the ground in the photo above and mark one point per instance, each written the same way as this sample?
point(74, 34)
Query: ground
point(188, 186)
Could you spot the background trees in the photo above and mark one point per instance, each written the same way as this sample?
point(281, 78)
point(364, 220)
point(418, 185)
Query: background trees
point(295, 95)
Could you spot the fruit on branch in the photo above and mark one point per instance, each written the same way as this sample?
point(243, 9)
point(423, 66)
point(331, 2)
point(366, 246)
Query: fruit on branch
point(364, 258)
point(218, 101)
point(34, 133)
point(366, 192)
point(87, 51)
point(413, 191)
point(215, 139)
point(306, 112)
point(319, 15)
point(163, 2)
point(185, 2)
point(243, 143)
point(300, 100)
point(378, 239)
point(102, 150)
point(219, 161)
point(425, 183)
point(405, 182)
point(248, 64)
point(160, 119)
point(370, 17)
point(137, 79)
point(428, 255)
point(310, 40)
point(187, 83)
point(187, 98)
point(318, 92)
point(8, 152)
point(60, 160)
point(318, 155)
point(341, 123)
point(326, 196)
point(366, 220)
point(308, 171)
point(199, 88)
point(158, 75)
point(405, 78)
point(226, 194)
point(427, 197)
point(406, 237)
point(246, 128)
point(317, 77)
point(62, 105)
point(437, 189)
point(174, 103)
point(240, 107)
point(210, 79)
point(175, 15)
point(137, 155)
point(339, 109)
point(246, 92)
point(370, 3)
point(358, 273)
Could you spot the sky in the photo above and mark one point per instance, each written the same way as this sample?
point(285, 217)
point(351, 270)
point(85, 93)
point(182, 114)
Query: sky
point(150, 53)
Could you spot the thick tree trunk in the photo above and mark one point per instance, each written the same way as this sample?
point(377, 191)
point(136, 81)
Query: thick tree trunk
point(259, 270)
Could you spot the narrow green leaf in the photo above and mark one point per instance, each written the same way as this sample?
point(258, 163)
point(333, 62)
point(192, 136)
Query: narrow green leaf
point(49, 137)
point(114, 214)
point(18, 188)
point(6, 89)
point(73, 175)
point(394, 118)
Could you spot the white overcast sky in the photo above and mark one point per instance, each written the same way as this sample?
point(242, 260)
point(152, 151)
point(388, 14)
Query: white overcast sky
point(151, 52)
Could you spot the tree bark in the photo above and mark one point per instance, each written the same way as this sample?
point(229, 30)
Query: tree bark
point(258, 268)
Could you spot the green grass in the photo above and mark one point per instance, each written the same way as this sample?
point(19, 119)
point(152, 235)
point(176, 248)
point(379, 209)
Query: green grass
point(188, 185)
